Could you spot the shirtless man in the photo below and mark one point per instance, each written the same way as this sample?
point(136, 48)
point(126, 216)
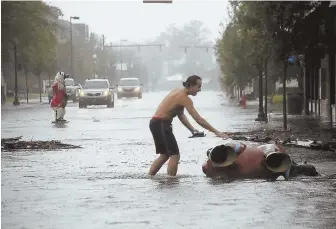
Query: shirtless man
point(161, 124)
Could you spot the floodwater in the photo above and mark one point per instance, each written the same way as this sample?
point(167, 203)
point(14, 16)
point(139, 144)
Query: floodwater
point(104, 184)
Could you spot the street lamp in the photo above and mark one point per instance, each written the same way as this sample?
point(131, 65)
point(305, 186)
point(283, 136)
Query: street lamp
point(121, 61)
point(157, 1)
point(71, 56)
point(94, 57)
point(16, 100)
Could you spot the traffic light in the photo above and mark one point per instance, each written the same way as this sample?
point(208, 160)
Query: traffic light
point(157, 1)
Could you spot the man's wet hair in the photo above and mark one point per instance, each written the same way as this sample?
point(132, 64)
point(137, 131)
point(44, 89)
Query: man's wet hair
point(191, 81)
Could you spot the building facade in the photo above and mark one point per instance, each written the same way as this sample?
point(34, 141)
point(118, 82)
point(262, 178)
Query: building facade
point(320, 71)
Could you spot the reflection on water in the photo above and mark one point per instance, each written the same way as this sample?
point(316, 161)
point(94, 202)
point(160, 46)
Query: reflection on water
point(164, 183)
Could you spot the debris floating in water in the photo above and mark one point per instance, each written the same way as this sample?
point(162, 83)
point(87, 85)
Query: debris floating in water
point(288, 140)
point(11, 144)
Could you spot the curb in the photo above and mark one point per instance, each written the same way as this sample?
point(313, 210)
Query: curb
point(22, 105)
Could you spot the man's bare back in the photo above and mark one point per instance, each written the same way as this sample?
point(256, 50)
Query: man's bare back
point(172, 105)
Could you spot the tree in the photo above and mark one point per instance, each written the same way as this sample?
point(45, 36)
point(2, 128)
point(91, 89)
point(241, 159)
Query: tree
point(234, 56)
point(269, 26)
point(29, 24)
point(274, 31)
point(32, 26)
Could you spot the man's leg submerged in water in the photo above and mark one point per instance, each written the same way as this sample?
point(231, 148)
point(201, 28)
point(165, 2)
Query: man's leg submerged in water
point(165, 145)
point(157, 164)
point(172, 164)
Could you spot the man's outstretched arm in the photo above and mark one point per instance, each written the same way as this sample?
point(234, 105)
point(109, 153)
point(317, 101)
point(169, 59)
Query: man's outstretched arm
point(186, 122)
point(188, 104)
point(194, 114)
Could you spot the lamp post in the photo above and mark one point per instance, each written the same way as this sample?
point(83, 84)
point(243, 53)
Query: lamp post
point(121, 61)
point(71, 56)
point(94, 57)
point(16, 100)
point(157, 1)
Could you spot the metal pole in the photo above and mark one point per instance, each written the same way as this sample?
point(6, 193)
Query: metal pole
point(26, 85)
point(104, 56)
point(121, 64)
point(284, 102)
point(136, 45)
point(261, 114)
point(103, 42)
point(71, 57)
point(16, 100)
point(266, 97)
point(40, 86)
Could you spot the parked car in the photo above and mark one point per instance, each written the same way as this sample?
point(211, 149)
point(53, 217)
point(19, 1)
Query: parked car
point(71, 89)
point(129, 87)
point(78, 87)
point(96, 92)
point(50, 93)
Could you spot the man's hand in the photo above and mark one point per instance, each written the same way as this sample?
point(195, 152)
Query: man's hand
point(222, 135)
point(194, 131)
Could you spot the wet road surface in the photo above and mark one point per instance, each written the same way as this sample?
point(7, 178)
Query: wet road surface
point(104, 185)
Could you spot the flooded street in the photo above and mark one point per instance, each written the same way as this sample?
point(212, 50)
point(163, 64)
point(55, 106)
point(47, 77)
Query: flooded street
point(105, 184)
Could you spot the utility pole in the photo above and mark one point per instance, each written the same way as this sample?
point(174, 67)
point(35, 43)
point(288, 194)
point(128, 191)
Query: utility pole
point(104, 56)
point(160, 46)
point(261, 114)
point(71, 55)
point(16, 100)
point(284, 102)
point(155, 45)
point(266, 97)
point(157, 1)
point(121, 62)
point(186, 47)
point(103, 42)
point(135, 45)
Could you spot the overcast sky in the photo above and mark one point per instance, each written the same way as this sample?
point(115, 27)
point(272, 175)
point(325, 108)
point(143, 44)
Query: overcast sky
point(135, 21)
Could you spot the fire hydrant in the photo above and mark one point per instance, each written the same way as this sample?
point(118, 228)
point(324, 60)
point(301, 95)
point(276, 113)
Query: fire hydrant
point(243, 101)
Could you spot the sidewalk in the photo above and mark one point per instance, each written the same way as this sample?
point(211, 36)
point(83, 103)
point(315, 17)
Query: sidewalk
point(299, 126)
point(23, 103)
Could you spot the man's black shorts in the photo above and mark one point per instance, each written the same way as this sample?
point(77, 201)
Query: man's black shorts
point(164, 139)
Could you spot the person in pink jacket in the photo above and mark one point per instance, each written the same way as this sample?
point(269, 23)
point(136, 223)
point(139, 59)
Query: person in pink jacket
point(59, 99)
